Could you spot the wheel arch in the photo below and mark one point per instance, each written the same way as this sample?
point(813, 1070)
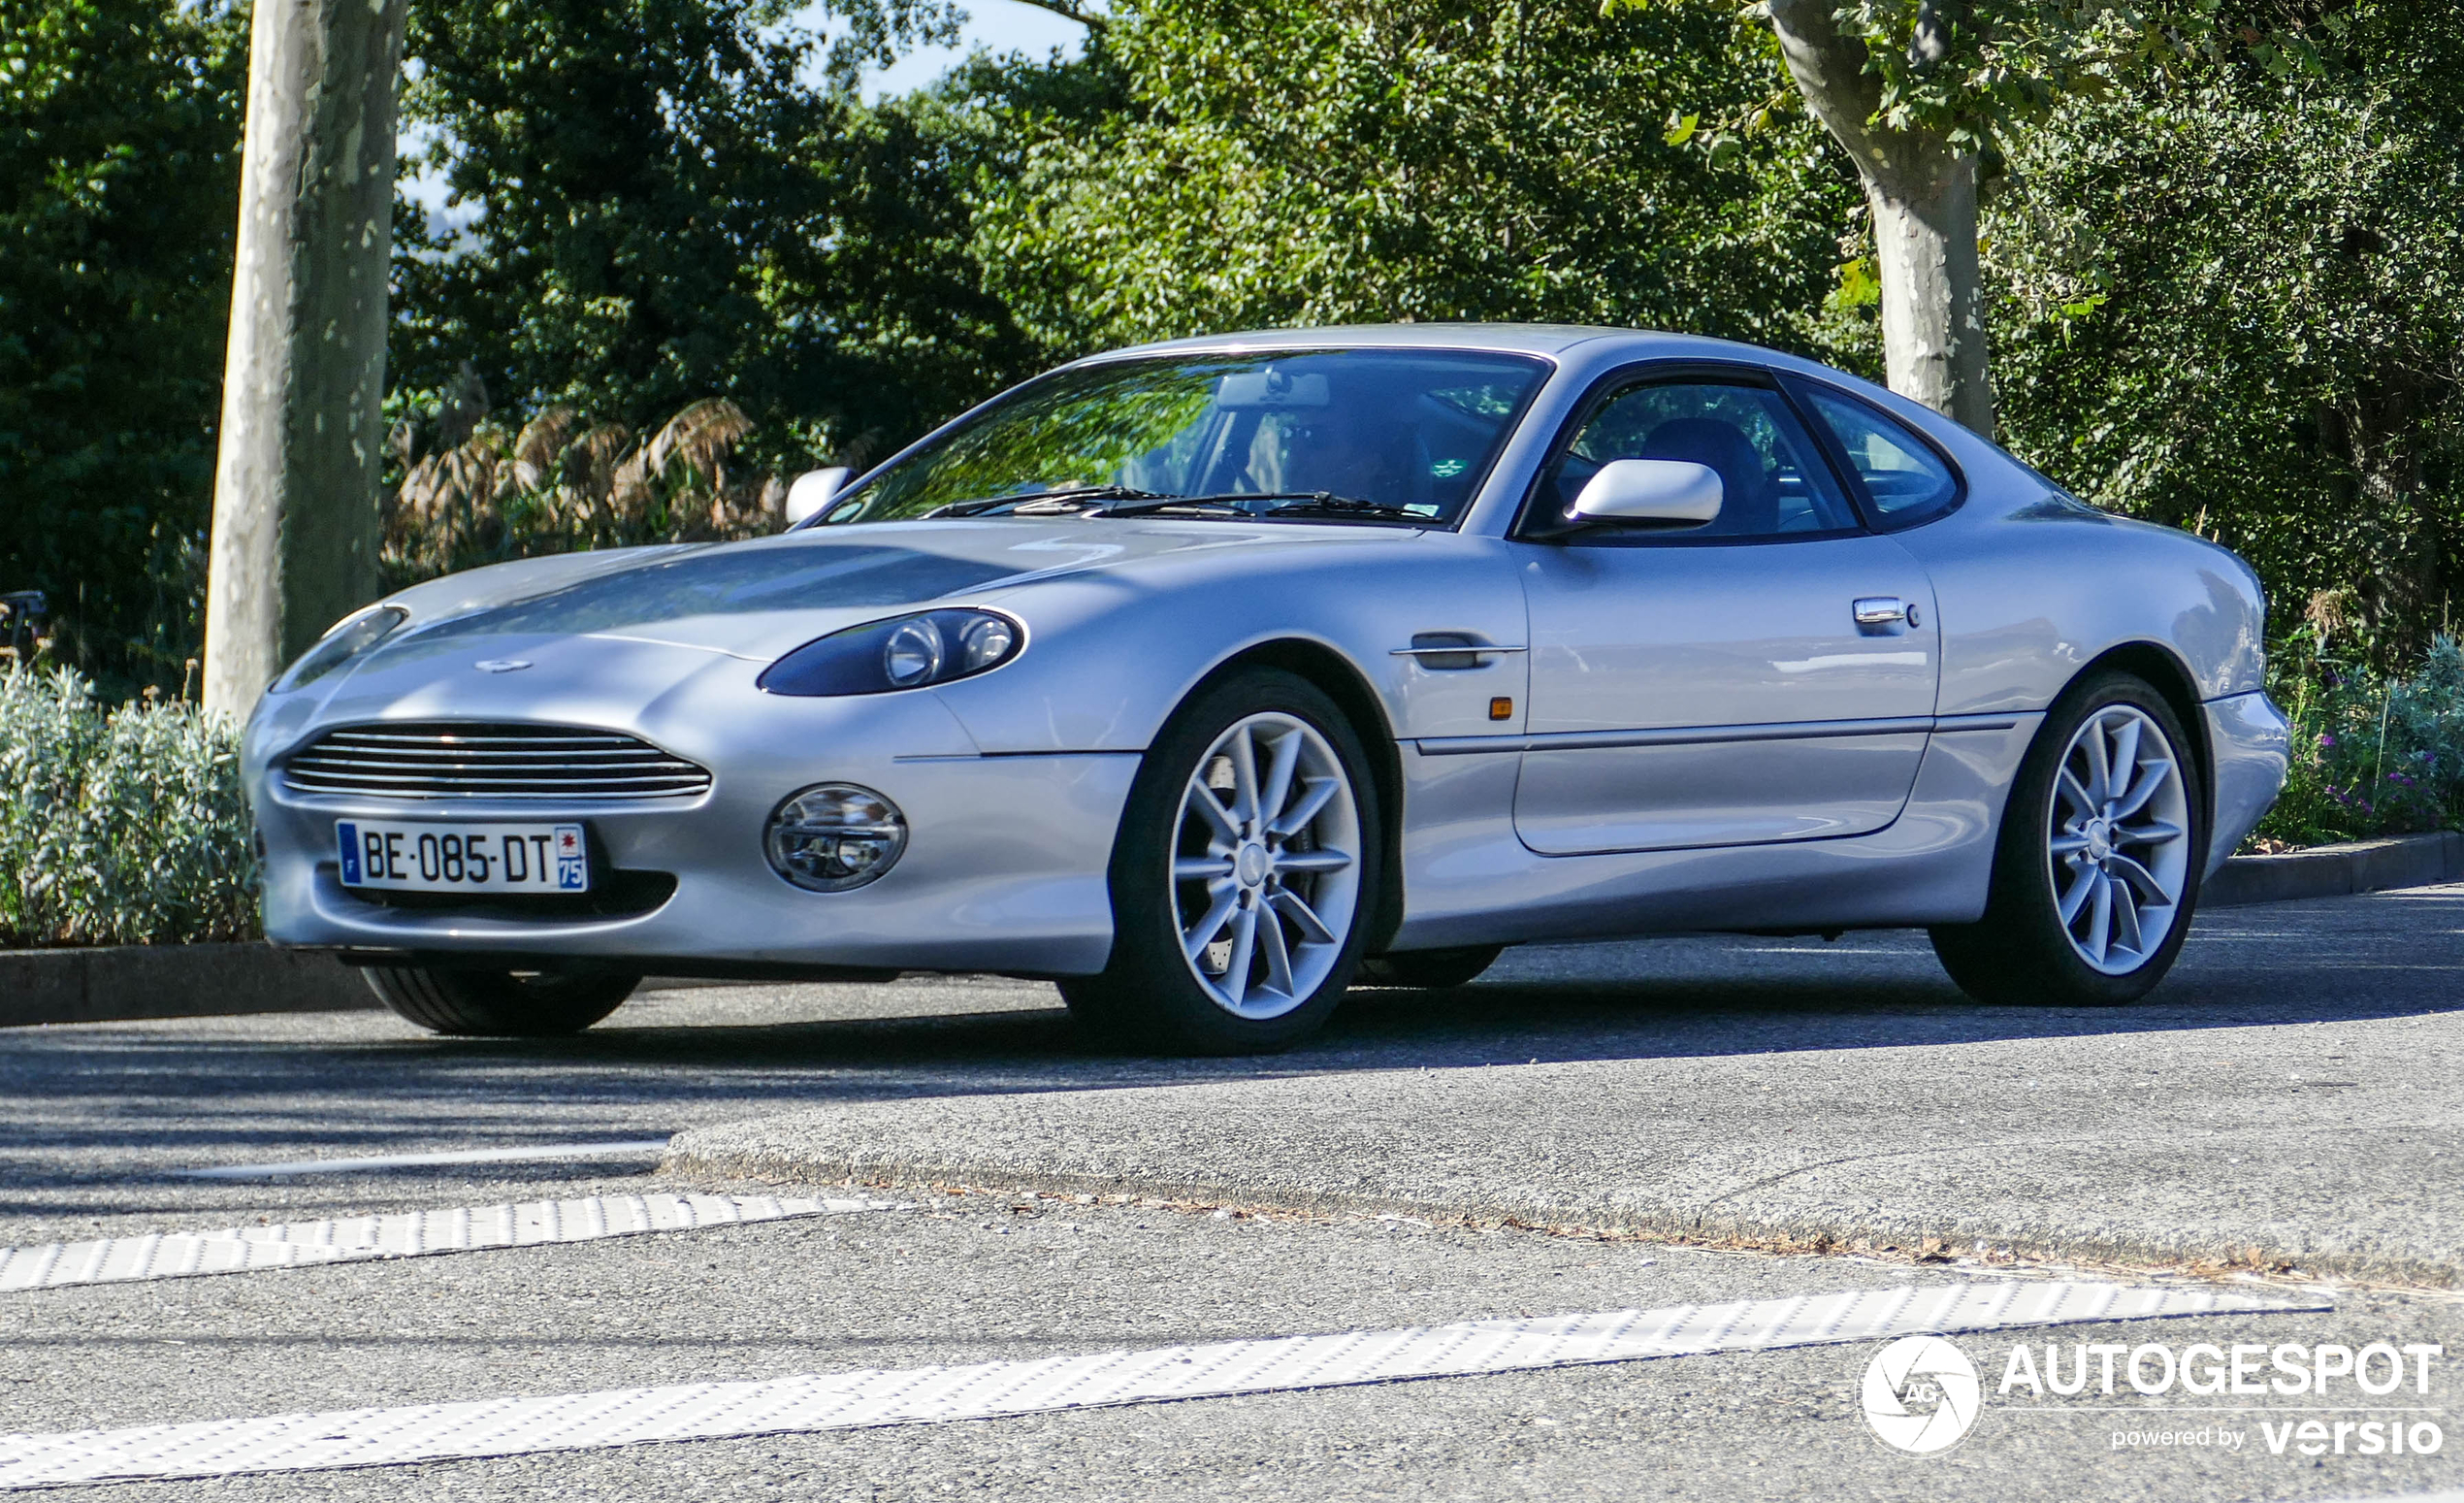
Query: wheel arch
point(2164, 669)
point(1341, 680)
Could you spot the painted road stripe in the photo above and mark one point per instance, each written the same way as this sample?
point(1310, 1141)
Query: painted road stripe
point(412, 1234)
point(925, 1395)
point(548, 1151)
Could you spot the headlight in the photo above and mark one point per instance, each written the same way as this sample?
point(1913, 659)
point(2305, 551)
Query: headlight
point(908, 652)
point(833, 837)
point(350, 637)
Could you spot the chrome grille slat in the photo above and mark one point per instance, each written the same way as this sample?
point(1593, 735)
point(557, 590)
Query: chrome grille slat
point(429, 760)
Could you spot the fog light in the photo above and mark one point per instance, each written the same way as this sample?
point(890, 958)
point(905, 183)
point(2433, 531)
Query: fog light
point(832, 836)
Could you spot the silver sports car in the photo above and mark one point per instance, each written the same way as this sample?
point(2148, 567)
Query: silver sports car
point(1213, 677)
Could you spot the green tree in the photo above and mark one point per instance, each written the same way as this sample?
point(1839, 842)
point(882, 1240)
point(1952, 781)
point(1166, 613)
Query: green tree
point(1300, 161)
point(678, 200)
point(1920, 93)
point(119, 131)
point(2235, 302)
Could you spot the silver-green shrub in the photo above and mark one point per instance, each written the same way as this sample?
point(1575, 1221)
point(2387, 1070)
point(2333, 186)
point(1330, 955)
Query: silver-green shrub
point(119, 826)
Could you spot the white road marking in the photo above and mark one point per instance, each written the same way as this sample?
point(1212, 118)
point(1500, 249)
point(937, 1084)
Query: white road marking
point(267, 1171)
point(922, 1396)
point(411, 1234)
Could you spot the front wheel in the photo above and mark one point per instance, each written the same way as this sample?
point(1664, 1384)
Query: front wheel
point(1241, 877)
point(500, 1003)
point(2096, 871)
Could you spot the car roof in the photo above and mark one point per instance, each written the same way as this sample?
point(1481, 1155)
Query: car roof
point(1546, 340)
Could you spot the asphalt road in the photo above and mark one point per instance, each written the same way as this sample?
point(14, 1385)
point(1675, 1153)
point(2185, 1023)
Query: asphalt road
point(2292, 1085)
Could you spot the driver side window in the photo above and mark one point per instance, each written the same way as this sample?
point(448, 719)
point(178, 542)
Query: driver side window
point(1773, 482)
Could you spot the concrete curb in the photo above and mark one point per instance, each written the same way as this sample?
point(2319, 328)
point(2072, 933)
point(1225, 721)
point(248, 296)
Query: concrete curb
point(126, 982)
point(2334, 870)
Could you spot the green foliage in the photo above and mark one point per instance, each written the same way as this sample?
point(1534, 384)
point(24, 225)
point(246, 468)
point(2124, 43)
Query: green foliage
point(120, 128)
point(2373, 755)
point(676, 202)
point(2238, 306)
point(118, 827)
point(1296, 162)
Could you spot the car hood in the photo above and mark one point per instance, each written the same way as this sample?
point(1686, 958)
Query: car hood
point(758, 600)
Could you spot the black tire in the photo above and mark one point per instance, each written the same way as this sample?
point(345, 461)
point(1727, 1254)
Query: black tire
point(500, 1003)
point(1428, 970)
point(1149, 996)
point(2021, 952)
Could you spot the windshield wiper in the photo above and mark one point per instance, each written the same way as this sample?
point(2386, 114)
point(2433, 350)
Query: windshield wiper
point(1324, 503)
point(1061, 502)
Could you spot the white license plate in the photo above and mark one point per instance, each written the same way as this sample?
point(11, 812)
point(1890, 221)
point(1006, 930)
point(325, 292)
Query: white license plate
point(484, 857)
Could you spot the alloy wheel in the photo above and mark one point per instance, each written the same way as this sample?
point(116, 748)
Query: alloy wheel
point(2119, 844)
point(1265, 872)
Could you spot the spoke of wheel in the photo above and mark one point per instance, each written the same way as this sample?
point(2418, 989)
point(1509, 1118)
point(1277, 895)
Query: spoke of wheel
point(2153, 833)
point(1294, 906)
point(2151, 777)
point(2070, 788)
point(1201, 869)
point(2099, 765)
point(2099, 940)
point(1312, 862)
point(1236, 977)
point(1279, 777)
point(1201, 797)
point(1197, 936)
point(2065, 844)
point(2123, 771)
point(1315, 794)
point(2137, 876)
point(1278, 956)
point(2126, 919)
point(1244, 780)
point(2082, 884)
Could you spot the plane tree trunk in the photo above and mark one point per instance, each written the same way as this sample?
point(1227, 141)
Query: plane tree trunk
point(295, 522)
point(1923, 195)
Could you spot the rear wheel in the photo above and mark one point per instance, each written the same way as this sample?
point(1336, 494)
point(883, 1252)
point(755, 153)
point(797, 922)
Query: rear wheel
point(2097, 869)
point(500, 1003)
point(1242, 874)
point(1429, 970)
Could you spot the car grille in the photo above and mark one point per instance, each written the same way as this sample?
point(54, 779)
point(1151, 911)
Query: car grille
point(466, 760)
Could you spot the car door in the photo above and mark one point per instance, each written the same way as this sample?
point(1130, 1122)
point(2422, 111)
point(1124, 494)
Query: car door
point(1770, 675)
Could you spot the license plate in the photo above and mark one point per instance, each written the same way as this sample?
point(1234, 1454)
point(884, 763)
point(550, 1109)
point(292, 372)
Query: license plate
point(464, 857)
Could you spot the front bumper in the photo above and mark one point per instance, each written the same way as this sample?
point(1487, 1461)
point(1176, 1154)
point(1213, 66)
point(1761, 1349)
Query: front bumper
point(1005, 867)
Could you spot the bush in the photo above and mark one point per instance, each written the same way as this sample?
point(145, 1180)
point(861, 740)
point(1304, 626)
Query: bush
point(118, 827)
point(2373, 755)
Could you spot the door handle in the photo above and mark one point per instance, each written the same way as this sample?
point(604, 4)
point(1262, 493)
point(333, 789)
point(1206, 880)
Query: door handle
point(1882, 611)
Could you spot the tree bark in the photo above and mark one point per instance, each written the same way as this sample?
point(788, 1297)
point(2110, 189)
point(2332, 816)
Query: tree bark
point(1923, 195)
point(295, 524)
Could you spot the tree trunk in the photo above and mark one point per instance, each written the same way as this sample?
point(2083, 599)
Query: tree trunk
point(1924, 200)
point(295, 524)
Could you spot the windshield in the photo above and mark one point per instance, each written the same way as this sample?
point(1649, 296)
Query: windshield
point(1409, 431)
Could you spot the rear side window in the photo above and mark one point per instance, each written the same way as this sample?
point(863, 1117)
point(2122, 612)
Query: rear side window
point(1907, 479)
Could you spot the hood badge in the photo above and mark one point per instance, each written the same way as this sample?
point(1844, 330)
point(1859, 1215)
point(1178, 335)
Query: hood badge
point(502, 665)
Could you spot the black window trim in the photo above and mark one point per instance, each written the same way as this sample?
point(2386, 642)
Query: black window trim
point(1669, 372)
point(1876, 519)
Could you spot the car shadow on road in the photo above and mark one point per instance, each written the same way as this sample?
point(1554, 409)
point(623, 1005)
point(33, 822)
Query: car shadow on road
point(73, 1094)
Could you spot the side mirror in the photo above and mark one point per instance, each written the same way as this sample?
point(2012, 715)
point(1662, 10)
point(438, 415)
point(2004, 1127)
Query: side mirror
point(1667, 492)
point(813, 490)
